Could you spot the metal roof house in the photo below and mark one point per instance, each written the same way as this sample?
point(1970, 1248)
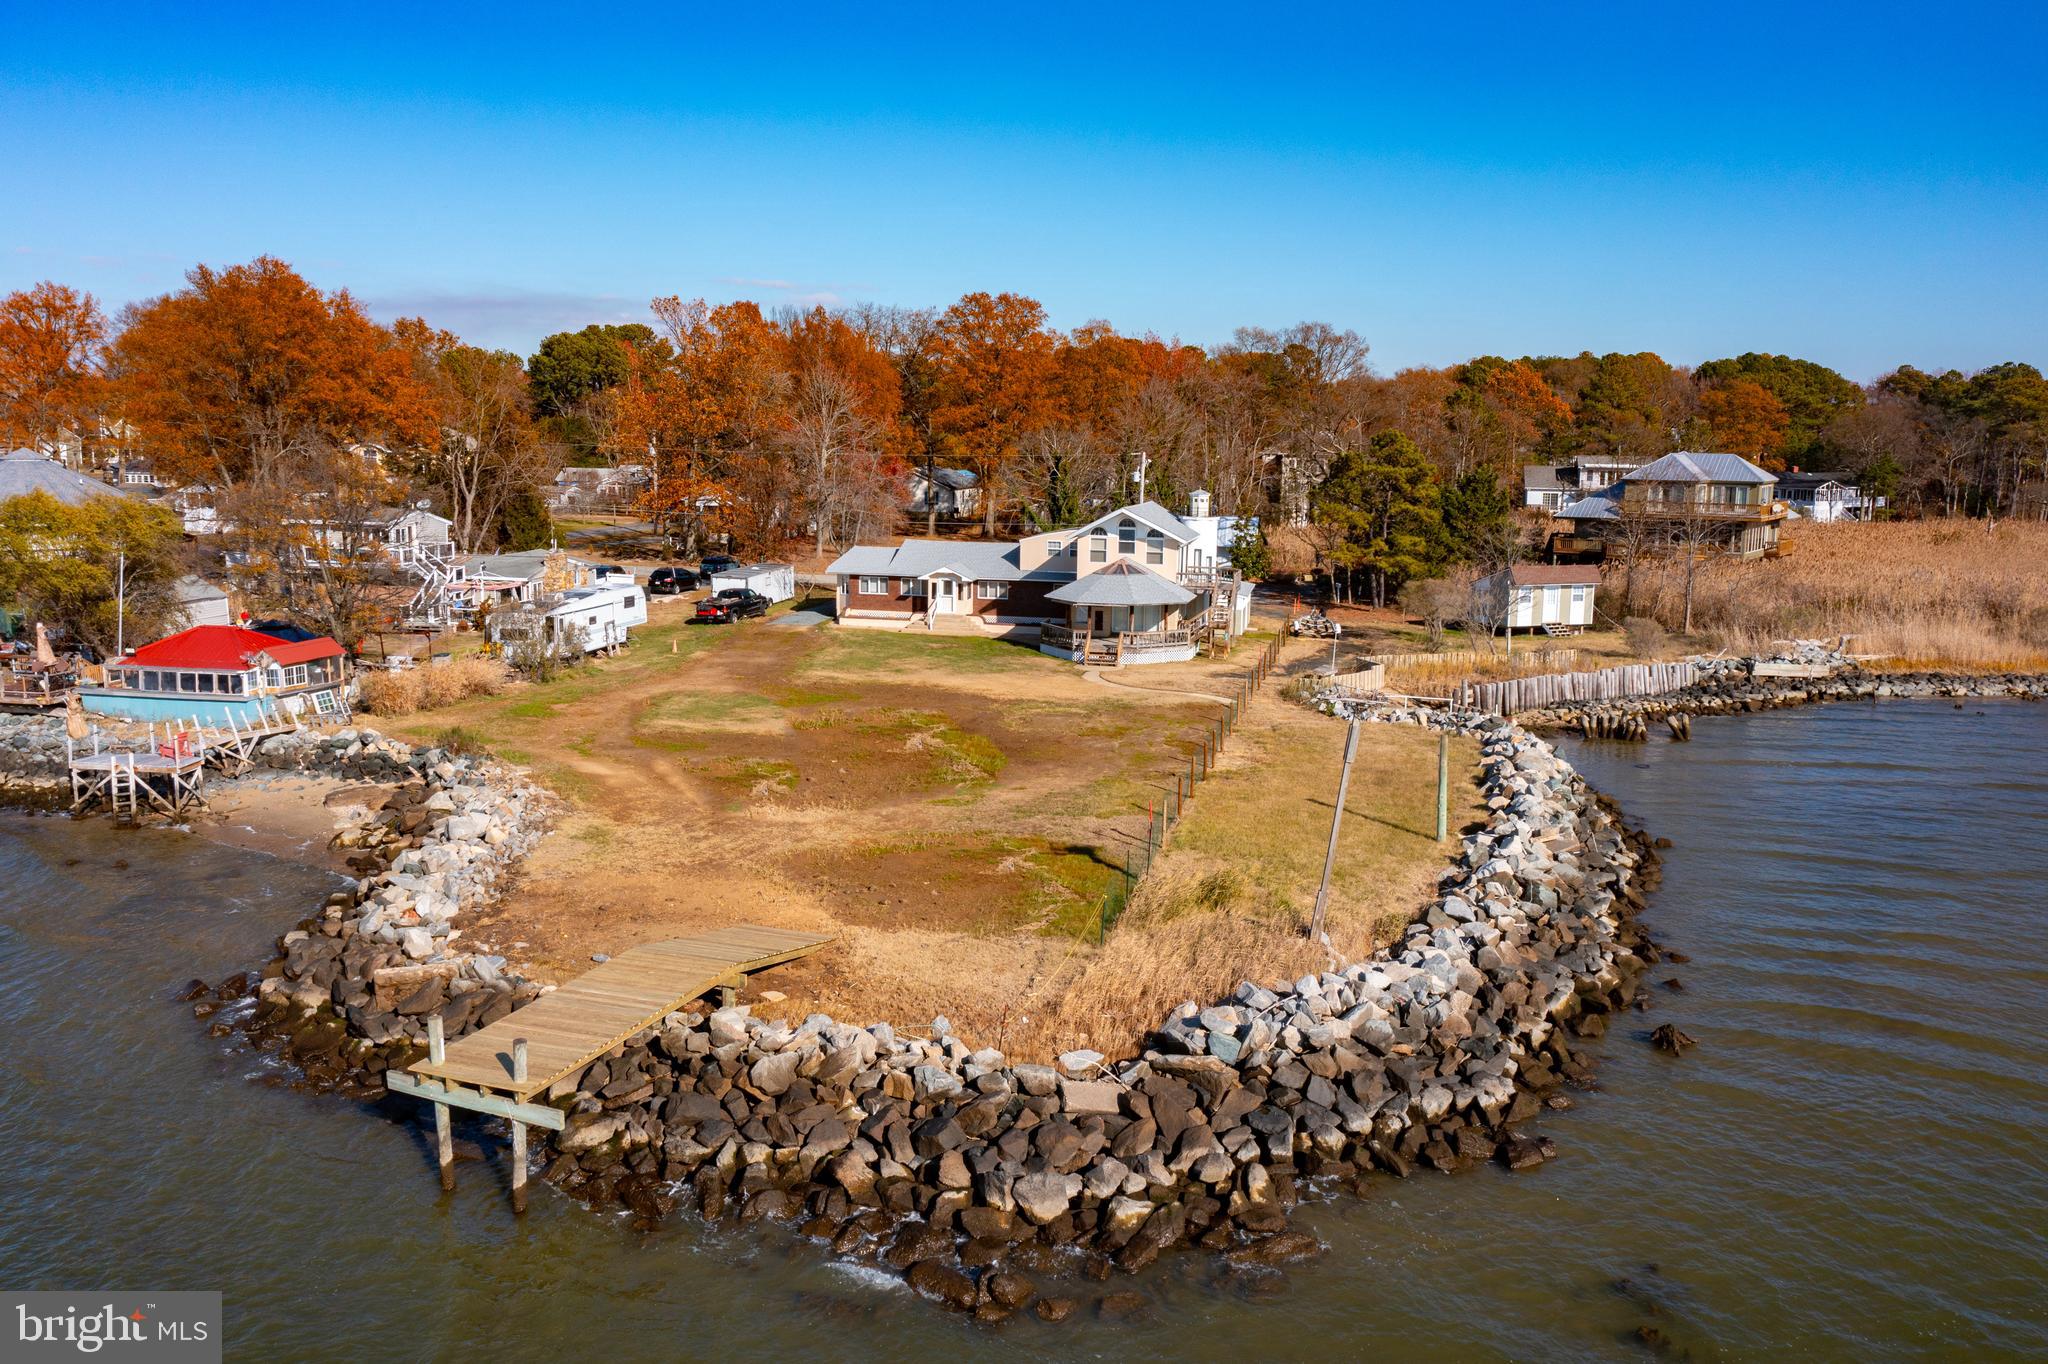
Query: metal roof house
point(1826, 497)
point(24, 471)
point(1685, 494)
point(1139, 584)
point(949, 492)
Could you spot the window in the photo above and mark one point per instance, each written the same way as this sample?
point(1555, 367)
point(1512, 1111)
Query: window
point(295, 676)
point(631, 601)
point(324, 702)
point(1052, 549)
point(153, 681)
point(912, 588)
point(1155, 547)
point(1098, 548)
point(1578, 597)
point(992, 591)
point(1126, 537)
point(206, 683)
point(874, 587)
point(232, 684)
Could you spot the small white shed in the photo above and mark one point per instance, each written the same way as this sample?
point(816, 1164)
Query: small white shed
point(1543, 596)
point(776, 582)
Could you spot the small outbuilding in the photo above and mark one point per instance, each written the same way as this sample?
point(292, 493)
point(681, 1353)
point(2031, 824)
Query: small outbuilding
point(776, 582)
point(1554, 598)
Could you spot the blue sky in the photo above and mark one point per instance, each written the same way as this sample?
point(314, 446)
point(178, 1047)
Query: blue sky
point(1866, 186)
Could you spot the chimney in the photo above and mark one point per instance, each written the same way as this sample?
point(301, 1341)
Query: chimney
point(1198, 502)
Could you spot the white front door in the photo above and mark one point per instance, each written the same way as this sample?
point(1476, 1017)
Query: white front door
point(944, 599)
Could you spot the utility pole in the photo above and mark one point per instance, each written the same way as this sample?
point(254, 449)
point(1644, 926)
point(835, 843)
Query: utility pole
point(1138, 477)
point(121, 603)
point(1315, 924)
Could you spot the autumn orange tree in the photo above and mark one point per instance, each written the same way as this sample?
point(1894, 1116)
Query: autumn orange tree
point(489, 451)
point(52, 349)
point(992, 363)
point(1745, 418)
point(250, 366)
point(845, 431)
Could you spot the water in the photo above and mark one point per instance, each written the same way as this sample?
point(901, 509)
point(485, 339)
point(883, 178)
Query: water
point(1848, 1166)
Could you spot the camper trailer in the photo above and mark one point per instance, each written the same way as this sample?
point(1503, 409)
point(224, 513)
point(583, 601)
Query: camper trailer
point(776, 582)
point(584, 620)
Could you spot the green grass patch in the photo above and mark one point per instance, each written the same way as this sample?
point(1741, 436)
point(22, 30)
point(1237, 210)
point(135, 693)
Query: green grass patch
point(462, 739)
point(893, 651)
point(799, 696)
point(761, 776)
point(700, 708)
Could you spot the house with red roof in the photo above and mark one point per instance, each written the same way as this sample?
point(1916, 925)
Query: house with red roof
point(219, 674)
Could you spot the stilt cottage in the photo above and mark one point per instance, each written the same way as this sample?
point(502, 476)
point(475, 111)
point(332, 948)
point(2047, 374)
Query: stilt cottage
point(219, 673)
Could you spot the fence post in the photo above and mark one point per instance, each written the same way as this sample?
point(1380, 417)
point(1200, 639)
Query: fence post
point(1443, 785)
point(1315, 923)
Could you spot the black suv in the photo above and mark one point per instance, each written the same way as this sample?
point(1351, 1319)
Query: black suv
point(717, 563)
point(730, 605)
point(666, 582)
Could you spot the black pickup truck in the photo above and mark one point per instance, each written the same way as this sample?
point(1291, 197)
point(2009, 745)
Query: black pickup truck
point(734, 603)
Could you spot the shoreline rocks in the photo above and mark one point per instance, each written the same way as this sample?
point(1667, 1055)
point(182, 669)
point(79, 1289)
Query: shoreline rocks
point(349, 993)
point(974, 1178)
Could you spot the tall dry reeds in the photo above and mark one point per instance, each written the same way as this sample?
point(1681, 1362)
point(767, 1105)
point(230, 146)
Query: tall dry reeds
point(432, 686)
point(1943, 593)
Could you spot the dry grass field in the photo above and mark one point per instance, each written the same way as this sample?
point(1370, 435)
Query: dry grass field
point(952, 808)
point(1960, 593)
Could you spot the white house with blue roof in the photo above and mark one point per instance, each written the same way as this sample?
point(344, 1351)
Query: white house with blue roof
point(1140, 584)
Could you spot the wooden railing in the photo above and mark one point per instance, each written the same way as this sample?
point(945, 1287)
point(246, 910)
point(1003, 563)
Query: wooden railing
point(31, 688)
point(1109, 646)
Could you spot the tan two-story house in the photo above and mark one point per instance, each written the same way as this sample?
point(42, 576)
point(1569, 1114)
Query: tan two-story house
point(1688, 497)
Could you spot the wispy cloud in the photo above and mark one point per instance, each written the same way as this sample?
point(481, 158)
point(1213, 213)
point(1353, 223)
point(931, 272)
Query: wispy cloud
point(507, 317)
point(798, 292)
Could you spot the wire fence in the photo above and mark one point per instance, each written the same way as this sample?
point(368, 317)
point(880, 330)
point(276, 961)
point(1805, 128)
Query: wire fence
point(1165, 812)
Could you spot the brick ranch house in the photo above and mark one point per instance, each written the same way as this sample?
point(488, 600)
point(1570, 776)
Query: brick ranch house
point(1135, 585)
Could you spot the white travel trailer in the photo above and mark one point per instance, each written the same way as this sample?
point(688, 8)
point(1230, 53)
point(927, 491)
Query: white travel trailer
point(776, 582)
point(583, 620)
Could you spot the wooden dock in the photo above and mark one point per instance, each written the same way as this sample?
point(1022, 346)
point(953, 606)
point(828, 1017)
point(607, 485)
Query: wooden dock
point(167, 773)
point(499, 1069)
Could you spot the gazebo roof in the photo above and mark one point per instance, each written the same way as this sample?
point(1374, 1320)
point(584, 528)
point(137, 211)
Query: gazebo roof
point(1122, 583)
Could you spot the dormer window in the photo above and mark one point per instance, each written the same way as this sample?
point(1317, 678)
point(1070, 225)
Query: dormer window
point(1126, 537)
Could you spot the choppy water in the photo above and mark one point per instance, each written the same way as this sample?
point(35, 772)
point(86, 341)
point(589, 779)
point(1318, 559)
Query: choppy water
point(1849, 1166)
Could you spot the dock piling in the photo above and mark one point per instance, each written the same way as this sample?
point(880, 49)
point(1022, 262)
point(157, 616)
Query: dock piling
point(518, 1130)
point(444, 1139)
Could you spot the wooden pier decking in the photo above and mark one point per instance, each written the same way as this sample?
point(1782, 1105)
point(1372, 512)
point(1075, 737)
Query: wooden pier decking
point(499, 1069)
point(568, 1028)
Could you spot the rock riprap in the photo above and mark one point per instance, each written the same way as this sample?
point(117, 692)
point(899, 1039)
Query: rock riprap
point(350, 991)
point(964, 1171)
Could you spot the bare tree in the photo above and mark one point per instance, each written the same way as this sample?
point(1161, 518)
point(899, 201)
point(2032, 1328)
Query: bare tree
point(309, 538)
point(489, 450)
point(827, 428)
